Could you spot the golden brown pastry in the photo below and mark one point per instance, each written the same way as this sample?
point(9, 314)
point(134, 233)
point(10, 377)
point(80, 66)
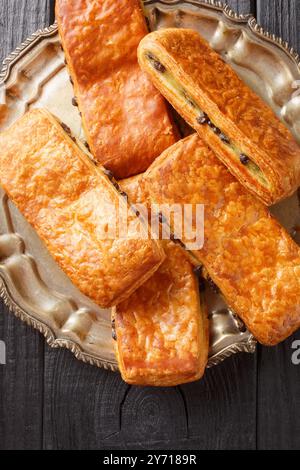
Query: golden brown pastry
point(162, 329)
point(125, 118)
point(70, 202)
point(246, 252)
point(241, 129)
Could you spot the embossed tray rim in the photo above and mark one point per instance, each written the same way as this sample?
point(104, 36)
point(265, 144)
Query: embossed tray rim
point(250, 22)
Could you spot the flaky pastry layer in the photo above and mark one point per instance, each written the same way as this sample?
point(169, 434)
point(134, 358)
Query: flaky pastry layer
point(246, 252)
point(70, 203)
point(125, 118)
point(240, 128)
point(162, 329)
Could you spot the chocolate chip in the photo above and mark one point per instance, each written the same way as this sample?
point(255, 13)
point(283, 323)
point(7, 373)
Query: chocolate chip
point(74, 101)
point(201, 284)
point(65, 61)
point(66, 128)
point(188, 99)
point(244, 159)
point(216, 130)
point(213, 286)
point(224, 138)
point(109, 174)
point(87, 146)
point(113, 330)
point(190, 102)
point(71, 80)
point(202, 119)
point(198, 271)
point(159, 67)
point(179, 242)
point(161, 218)
point(156, 64)
point(116, 185)
point(123, 194)
point(135, 210)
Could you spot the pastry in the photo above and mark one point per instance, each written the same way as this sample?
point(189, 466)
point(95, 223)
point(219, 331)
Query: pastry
point(71, 203)
point(246, 252)
point(125, 118)
point(161, 331)
point(240, 128)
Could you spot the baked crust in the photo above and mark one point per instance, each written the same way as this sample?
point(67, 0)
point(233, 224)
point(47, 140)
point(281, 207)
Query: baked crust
point(162, 329)
point(231, 106)
point(246, 252)
point(69, 200)
point(125, 118)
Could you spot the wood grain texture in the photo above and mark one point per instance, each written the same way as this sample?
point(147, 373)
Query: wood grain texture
point(21, 380)
point(88, 408)
point(278, 387)
point(222, 408)
point(278, 417)
point(20, 18)
point(49, 399)
point(82, 403)
point(281, 17)
point(21, 385)
point(242, 6)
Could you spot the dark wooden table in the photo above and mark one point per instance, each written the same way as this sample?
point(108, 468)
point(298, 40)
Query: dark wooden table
point(50, 400)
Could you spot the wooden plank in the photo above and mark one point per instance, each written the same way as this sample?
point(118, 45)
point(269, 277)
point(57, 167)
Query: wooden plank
point(21, 379)
point(88, 408)
point(243, 6)
point(282, 18)
point(222, 407)
point(20, 18)
point(21, 385)
point(82, 403)
point(278, 416)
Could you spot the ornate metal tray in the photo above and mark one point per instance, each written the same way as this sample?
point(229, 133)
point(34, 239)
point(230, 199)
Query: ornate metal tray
point(35, 76)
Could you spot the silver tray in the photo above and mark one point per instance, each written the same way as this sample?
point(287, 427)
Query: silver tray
point(31, 284)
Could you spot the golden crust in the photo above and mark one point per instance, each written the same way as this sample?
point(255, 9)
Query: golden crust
point(68, 200)
point(231, 105)
point(246, 252)
point(125, 118)
point(162, 329)
point(134, 189)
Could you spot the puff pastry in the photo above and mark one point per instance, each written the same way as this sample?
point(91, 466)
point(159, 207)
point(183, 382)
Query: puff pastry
point(125, 118)
point(241, 129)
point(246, 252)
point(162, 329)
point(69, 201)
